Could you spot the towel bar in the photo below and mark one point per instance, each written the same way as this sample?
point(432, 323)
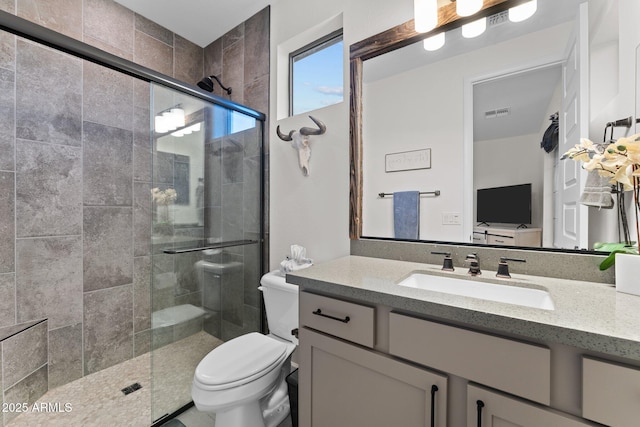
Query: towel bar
point(435, 193)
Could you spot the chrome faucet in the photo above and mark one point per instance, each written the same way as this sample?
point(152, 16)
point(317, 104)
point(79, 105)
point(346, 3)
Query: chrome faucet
point(474, 264)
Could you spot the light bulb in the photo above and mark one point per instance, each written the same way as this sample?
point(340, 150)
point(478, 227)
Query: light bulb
point(434, 42)
point(523, 11)
point(425, 15)
point(177, 116)
point(160, 125)
point(474, 29)
point(167, 117)
point(468, 7)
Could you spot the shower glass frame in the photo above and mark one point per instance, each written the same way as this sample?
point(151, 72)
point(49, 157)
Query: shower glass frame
point(30, 31)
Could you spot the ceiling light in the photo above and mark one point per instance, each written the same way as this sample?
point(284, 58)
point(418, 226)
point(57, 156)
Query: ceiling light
point(434, 42)
point(425, 15)
point(468, 7)
point(523, 11)
point(474, 29)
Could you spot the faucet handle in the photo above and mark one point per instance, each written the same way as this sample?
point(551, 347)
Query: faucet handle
point(474, 264)
point(447, 263)
point(503, 267)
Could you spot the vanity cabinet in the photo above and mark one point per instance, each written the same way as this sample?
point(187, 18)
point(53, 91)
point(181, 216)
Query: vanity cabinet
point(346, 383)
point(487, 408)
point(519, 368)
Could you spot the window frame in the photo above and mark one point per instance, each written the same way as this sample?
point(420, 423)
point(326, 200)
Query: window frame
point(330, 39)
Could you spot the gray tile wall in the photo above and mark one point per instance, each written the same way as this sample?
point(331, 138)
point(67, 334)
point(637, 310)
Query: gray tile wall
point(24, 363)
point(75, 180)
point(240, 59)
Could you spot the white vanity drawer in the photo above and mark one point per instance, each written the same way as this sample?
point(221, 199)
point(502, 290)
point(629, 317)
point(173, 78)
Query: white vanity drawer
point(353, 322)
point(512, 366)
point(610, 393)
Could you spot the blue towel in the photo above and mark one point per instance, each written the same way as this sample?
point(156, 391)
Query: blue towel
point(406, 215)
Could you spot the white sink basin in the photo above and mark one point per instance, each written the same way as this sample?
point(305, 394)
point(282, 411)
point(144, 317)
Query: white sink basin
point(527, 297)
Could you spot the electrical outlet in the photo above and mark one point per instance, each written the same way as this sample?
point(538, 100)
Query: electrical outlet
point(451, 218)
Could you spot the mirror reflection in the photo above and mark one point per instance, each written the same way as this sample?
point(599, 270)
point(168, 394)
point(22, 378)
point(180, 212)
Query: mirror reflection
point(495, 113)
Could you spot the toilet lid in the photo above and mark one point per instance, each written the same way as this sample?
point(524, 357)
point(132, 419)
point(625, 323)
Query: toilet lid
point(240, 358)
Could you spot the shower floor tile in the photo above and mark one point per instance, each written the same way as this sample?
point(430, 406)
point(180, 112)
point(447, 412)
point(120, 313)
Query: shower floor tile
point(97, 399)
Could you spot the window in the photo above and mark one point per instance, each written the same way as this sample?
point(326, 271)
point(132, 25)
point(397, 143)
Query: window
point(316, 74)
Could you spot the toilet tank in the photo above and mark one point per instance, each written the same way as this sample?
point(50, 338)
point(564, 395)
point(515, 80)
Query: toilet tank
point(281, 305)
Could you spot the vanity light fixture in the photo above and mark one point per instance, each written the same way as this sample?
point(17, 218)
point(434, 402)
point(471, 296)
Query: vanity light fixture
point(434, 42)
point(474, 29)
point(425, 15)
point(168, 120)
point(468, 7)
point(523, 11)
point(187, 130)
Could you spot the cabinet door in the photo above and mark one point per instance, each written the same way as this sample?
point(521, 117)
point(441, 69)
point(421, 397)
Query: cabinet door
point(490, 409)
point(611, 393)
point(342, 384)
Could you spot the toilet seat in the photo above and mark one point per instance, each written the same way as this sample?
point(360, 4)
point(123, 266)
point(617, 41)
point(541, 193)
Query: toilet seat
point(240, 361)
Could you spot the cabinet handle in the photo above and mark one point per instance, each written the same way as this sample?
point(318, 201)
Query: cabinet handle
point(319, 312)
point(434, 388)
point(480, 405)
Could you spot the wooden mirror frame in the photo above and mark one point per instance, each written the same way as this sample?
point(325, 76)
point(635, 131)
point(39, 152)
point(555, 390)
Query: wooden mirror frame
point(394, 38)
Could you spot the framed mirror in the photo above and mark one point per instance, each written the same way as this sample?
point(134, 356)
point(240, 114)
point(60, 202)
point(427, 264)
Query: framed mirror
point(481, 107)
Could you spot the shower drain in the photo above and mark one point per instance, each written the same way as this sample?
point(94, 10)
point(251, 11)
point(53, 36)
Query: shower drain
point(130, 389)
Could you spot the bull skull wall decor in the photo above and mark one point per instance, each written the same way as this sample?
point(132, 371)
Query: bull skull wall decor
point(300, 141)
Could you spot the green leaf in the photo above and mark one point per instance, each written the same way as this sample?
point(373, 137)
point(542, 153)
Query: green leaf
point(611, 258)
point(610, 247)
point(608, 261)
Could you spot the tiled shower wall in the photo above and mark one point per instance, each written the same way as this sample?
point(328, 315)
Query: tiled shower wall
point(75, 179)
point(241, 59)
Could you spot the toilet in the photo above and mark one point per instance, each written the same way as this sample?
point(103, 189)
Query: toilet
point(243, 380)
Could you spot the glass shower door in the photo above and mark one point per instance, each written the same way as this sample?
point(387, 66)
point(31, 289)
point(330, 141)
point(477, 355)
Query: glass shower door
point(206, 237)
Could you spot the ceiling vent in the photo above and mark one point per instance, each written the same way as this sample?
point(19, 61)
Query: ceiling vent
point(499, 112)
point(498, 19)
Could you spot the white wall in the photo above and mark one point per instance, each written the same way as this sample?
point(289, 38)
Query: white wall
point(313, 211)
point(491, 170)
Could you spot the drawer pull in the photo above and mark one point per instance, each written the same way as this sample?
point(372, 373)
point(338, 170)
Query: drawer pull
point(480, 405)
point(319, 312)
point(434, 388)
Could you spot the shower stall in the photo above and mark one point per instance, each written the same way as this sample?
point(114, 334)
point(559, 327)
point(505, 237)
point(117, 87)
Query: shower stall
point(131, 225)
point(206, 235)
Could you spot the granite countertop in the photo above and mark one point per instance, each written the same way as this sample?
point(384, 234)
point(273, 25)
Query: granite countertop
point(587, 315)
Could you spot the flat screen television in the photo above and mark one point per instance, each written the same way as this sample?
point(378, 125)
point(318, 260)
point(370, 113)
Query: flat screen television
point(506, 205)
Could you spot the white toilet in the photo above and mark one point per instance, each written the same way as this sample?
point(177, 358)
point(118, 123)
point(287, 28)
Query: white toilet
point(243, 380)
